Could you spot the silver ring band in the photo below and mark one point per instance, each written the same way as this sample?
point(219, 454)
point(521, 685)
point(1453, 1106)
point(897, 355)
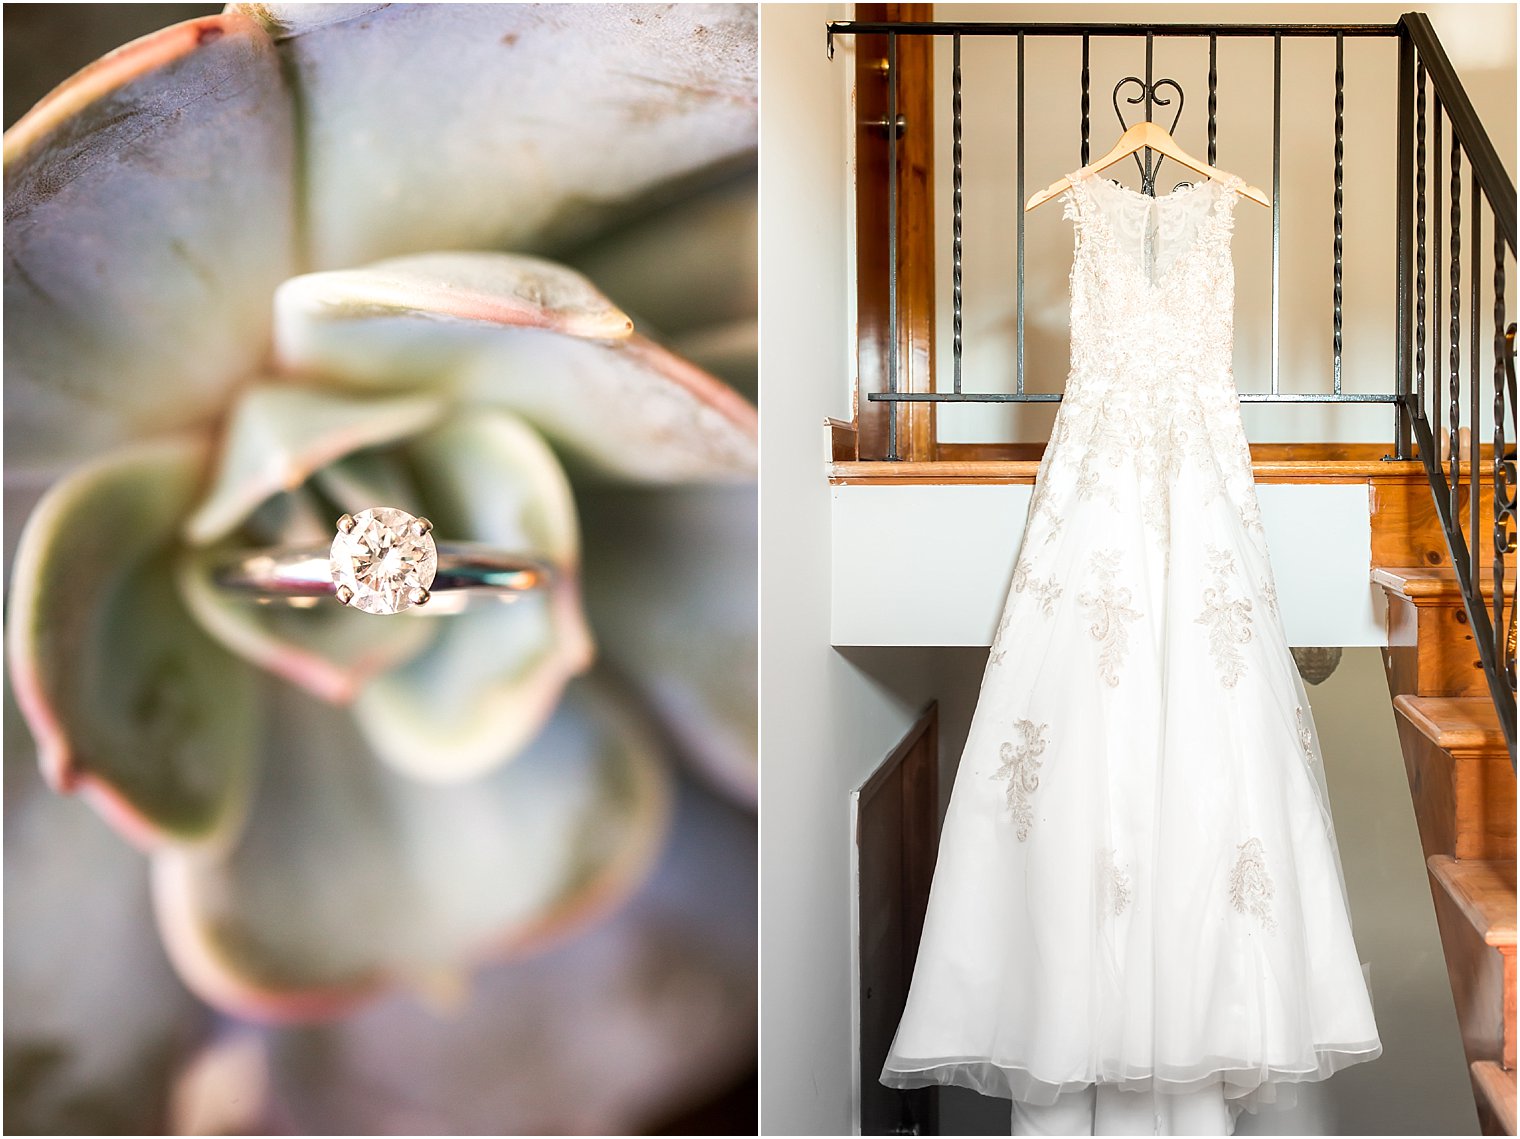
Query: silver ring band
point(298, 573)
point(383, 561)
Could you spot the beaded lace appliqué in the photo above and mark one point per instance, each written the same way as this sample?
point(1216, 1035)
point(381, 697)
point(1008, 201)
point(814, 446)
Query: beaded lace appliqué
point(1046, 590)
point(1020, 770)
point(1108, 603)
point(1269, 595)
point(998, 649)
point(1305, 736)
point(1042, 509)
point(1228, 618)
point(1251, 889)
point(1114, 883)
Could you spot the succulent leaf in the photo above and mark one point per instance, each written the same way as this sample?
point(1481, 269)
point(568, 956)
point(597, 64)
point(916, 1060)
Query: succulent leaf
point(79, 939)
point(670, 589)
point(349, 875)
point(665, 269)
point(326, 649)
point(506, 125)
point(149, 215)
point(619, 404)
point(281, 434)
point(492, 677)
point(130, 702)
point(659, 1000)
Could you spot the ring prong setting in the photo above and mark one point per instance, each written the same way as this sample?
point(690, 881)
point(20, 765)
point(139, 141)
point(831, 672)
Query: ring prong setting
point(383, 560)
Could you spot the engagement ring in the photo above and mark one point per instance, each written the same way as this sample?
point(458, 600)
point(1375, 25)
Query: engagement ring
point(383, 560)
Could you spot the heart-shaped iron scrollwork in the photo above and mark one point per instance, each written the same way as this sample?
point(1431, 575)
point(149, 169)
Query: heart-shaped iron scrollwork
point(1152, 162)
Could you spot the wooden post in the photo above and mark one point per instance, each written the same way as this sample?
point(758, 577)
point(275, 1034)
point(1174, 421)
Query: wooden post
point(915, 232)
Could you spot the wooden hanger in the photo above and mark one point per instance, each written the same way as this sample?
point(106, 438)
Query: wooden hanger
point(1139, 136)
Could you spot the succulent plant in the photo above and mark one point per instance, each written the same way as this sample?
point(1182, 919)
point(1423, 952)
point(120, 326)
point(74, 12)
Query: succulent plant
point(286, 262)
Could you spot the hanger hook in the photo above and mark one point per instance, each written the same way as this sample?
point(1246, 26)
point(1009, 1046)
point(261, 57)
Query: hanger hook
point(1148, 181)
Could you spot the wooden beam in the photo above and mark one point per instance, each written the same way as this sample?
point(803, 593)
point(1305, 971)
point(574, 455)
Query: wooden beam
point(915, 233)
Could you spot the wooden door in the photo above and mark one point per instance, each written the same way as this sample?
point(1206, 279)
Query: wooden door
point(896, 826)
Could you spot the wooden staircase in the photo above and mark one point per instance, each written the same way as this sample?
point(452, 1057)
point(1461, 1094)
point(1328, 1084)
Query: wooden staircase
point(1462, 784)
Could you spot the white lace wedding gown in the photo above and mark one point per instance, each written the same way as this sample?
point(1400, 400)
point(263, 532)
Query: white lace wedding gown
point(1138, 886)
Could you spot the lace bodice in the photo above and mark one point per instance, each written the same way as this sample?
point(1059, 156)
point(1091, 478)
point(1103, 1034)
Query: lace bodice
point(1152, 283)
point(1151, 383)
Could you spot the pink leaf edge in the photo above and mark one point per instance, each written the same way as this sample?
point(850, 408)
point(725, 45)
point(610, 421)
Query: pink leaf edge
point(116, 69)
point(211, 978)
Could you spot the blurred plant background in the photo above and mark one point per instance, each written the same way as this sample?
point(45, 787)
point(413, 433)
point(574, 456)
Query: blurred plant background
point(378, 877)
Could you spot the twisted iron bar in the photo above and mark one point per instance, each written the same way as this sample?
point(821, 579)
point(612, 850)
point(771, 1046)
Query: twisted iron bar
point(1340, 198)
point(1438, 233)
point(1419, 244)
point(1475, 439)
point(1504, 470)
point(1213, 99)
point(1086, 101)
point(956, 220)
point(1454, 382)
point(1504, 481)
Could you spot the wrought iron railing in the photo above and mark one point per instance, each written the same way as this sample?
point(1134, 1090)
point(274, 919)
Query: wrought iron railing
point(1149, 88)
point(1429, 95)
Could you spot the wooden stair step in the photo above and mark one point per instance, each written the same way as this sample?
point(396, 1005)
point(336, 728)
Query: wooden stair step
point(1464, 801)
point(1466, 724)
point(1475, 912)
point(1426, 584)
point(1485, 893)
point(1431, 648)
point(1495, 1090)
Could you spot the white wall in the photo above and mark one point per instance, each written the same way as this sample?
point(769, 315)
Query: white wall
point(825, 721)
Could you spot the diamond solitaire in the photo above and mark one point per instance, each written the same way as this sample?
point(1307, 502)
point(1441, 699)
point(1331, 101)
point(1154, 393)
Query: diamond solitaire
point(383, 560)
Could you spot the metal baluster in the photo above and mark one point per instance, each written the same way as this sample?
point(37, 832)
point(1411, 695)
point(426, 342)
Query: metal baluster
point(1403, 422)
point(1148, 172)
point(1340, 199)
point(1454, 388)
point(892, 346)
point(956, 224)
point(1019, 203)
point(1420, 237)
point(1213, 99)
point(1419, 242)
point(1474, 465)
point(1501, 490)
point(1276, 196)
point(1086, 101)
point(1438, 233)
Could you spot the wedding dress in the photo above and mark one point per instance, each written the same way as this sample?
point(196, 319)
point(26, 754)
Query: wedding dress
point(1139, 892)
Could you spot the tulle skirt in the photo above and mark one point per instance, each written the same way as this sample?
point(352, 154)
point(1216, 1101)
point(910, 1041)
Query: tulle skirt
point(1138, 881)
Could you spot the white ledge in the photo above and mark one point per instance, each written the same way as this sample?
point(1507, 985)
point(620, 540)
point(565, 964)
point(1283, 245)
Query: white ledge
point(930, 565)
